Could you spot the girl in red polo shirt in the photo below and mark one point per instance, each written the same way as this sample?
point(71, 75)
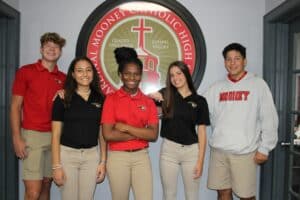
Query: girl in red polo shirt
point(129, 121)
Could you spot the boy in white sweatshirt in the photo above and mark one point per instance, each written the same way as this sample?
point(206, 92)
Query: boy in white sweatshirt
point(244, 123)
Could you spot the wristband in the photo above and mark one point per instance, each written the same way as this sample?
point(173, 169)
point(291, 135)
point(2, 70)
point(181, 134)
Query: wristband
point(56, 166)
point(102, 162)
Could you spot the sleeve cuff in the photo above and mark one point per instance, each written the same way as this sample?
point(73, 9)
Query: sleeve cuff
point(263, 150)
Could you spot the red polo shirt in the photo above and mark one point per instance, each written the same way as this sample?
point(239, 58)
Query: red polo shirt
point(138, 111)
point(37, 86)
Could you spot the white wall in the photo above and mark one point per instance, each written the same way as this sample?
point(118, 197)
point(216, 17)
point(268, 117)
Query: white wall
point(222, 22)
point(271, 4)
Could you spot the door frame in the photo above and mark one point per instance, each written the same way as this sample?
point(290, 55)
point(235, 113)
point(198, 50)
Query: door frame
point(9, 62)
point(276, 74)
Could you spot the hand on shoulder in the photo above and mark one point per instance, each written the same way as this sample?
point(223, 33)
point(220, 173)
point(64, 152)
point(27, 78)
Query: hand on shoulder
point(157, 96)
point(60, 93)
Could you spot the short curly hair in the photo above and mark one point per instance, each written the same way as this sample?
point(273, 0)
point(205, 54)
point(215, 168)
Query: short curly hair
point(53, 37)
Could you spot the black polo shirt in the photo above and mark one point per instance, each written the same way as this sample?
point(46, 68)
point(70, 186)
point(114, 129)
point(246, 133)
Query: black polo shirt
point(81, 121)
point(188, 112)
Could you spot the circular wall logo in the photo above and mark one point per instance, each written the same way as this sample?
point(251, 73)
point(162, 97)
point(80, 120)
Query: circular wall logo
point(158, 33)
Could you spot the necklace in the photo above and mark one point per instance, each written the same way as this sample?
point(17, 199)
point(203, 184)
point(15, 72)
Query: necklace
point(84, 92)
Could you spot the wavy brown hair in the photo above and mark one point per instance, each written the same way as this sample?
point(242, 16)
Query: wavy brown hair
point(167, 104)
point(52, 37)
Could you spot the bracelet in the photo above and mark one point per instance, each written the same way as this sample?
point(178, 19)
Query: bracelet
point(102, 162)
point(56, 166)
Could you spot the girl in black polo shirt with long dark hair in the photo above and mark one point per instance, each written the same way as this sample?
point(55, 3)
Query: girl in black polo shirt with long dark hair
point(76, 161)
point(183, 146)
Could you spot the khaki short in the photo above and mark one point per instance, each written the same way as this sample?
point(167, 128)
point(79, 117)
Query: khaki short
point(232, 171)
point(38, 162)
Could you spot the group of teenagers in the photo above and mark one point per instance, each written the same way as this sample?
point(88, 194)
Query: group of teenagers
point(64, 129)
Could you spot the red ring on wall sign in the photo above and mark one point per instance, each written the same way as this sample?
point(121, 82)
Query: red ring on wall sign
point(160, 31)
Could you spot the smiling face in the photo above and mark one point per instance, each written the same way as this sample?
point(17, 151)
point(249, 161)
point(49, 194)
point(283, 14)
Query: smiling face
point(177, 77)
point(83, 73)
point(131, 77)
point(50, 51)
point(235, 64)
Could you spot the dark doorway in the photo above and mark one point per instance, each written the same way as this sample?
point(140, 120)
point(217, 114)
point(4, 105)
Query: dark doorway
point(9, 61)
point(280, 177)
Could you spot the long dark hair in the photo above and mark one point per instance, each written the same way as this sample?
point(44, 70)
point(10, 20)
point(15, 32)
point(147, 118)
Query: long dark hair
point(167, 105)
point(71, 84)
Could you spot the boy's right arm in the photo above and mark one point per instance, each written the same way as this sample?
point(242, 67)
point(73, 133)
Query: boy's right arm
point(15, 122)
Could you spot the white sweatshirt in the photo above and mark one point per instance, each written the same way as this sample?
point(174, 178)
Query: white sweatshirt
point(243, 116)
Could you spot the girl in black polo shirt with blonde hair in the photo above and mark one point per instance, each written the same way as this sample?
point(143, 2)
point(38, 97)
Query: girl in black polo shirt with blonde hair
point(76, 119)
point(183, 146)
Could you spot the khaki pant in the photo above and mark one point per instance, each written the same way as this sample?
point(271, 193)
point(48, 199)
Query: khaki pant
point(237, 172)
point(130, 169)
point(37, 164)
point(175, 157)
point(80, 167)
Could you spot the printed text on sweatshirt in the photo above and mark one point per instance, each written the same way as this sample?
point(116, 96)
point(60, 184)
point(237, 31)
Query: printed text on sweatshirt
point(234, 96)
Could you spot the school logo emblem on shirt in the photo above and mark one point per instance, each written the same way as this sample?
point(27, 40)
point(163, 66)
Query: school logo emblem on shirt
point(193, 104)
point(142, 107)
point(58, 81)
point(160, 32)
point(98, 105)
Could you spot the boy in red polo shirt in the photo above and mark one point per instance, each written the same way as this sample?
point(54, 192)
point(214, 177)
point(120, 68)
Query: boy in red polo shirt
point(33, 90)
